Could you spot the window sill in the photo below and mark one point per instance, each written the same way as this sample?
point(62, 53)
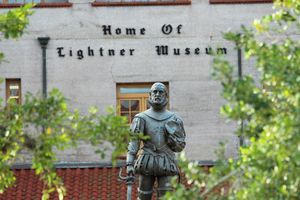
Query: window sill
point(239, 1)
point(154, 3)
point(39, 5)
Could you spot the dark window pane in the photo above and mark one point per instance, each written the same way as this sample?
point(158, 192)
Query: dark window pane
point(14, 93)
point(135, 105)
point(124, 105)
point(14, 90)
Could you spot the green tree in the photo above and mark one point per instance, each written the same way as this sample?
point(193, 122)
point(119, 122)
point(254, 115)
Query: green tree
point(14, 22)
point(43, 126)
point(267, 111)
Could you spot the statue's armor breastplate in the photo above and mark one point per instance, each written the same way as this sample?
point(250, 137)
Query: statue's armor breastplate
point(156, 131)
point(155, 128)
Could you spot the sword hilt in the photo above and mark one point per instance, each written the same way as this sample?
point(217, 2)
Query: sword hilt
point(129, 178)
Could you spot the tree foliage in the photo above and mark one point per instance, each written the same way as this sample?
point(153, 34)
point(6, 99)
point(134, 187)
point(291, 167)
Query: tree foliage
point(14, 22)
point(268, 108)
point(44, 126)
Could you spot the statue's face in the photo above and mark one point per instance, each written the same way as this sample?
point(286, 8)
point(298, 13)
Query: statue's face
point(158, 96)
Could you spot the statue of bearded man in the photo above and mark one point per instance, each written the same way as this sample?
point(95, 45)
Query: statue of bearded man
point(155, 155)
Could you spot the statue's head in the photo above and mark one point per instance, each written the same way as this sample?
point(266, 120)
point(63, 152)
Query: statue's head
point(158, 96)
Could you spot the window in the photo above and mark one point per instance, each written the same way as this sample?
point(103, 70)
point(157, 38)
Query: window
point(133, 98)
point(140, 2)
point(13, 90)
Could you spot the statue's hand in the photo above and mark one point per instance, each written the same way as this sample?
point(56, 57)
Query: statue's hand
point(172, 126)
point(130, 170)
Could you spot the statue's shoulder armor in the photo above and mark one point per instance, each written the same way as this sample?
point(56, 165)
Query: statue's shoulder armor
point(178, 118)
point(138, 123)
point(141, 115)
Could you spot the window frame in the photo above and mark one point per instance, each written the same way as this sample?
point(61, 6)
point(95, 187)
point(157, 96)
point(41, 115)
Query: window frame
point(10, 81)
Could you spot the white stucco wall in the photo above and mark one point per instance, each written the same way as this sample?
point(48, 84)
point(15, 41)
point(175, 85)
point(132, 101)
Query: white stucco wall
point(92, 80)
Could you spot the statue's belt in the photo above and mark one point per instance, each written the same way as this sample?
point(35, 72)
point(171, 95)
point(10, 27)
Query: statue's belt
point(154, 150)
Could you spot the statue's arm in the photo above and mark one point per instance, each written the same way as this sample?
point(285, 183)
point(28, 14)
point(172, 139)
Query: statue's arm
point(137, 126)
point(180, 122)
point(181, 140)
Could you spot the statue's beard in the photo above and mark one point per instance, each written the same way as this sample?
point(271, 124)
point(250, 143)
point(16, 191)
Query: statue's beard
point(158, 106)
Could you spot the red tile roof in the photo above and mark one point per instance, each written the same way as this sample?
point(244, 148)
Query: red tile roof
point(82, 183)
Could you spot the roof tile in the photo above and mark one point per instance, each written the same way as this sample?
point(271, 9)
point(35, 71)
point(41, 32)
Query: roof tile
point(81, 184)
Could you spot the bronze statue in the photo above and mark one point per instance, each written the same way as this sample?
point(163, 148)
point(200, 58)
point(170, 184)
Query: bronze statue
point(155, 156)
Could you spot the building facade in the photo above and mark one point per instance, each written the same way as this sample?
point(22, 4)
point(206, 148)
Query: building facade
point(108, 53)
